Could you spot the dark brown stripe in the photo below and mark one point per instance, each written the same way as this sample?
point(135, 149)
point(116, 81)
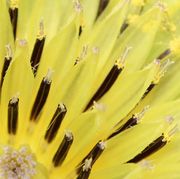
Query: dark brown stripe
point(55, 123)
point(94, 154)
point(102, 5)
point(80, 31)
point(124, 27)
point(63, 149)
point(40, 99)
point(13, 116)
point(130, 123)
point(14, 16)
point(152, 148)
point(7, 62)
point(36, 54)
point(106, 85)
point(149, 89)
point(164, 54)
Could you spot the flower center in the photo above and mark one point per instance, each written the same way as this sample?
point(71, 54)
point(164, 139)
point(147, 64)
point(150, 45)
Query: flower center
point(17, 164)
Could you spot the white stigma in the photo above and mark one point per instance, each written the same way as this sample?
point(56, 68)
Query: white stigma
point(162, 68)
point(9, 52)
point(48, 77)
point(99, 106)
point(102, 145)
point(87, 165)
point(121, 61)
point(17, 164)
point(15, 98)
point(69, 135)
point(141, 114)
point(41, 29)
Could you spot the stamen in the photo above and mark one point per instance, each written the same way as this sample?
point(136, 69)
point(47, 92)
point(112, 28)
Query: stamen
point(152, 148)
point(13, 12)
point(124, 27)
point(13, 115)
point(141, 114)
point(93, 155)
point(80, 30)
point(63, 149)
point(148, 90)
point(55, 123)
point(41, 96)
point(17, 164)
point(164, 54)
point(134, 120)
point(161, 69)
point(102, 5)
point(110, 79)
point(171, 132)
point(121, 61)
point(7, 61)
point(38, 49)
point(98, 106)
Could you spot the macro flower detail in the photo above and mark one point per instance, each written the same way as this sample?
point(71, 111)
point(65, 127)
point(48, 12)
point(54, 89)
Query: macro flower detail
point(89, 89)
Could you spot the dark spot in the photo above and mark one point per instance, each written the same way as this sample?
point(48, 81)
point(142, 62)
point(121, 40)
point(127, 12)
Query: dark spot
point(55, 123)
point(40, 99)
point(13, 116)
point(164, 54)
point(130, 123)
point(63, 149)
point(6, 64)
point(14, 17)
point(36, 54)
point(102, 5)
point(106, 85)
point(152, 148)
point(94, 154)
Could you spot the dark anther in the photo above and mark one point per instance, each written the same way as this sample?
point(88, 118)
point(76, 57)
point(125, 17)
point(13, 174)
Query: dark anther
point(40, 98)
point(36, 54)
point(14, 16)
point(106, 85)
point(164, 54)
point(102, 5)
point(151, 86)
point(130, 123)
point(7, 62)
point(13, 115)
point(63, 149)
point(152, 148)
point(80, 30)
point(55, 123)
point(124, 27)
point(93, 155)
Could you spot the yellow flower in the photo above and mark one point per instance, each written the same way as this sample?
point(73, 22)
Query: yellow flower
point(89, 89)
